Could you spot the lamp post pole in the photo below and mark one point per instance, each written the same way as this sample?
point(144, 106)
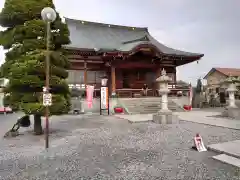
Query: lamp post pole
point(47, 84)
point(48, 15)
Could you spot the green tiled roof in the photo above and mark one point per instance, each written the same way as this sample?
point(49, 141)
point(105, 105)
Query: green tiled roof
point(99, 36)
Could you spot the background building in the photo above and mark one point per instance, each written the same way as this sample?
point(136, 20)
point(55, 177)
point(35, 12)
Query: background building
point(216, 75)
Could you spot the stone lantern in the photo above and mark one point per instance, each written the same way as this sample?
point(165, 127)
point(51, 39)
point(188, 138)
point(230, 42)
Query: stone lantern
point(231, 110)
point(231, 89)
point(164, 115)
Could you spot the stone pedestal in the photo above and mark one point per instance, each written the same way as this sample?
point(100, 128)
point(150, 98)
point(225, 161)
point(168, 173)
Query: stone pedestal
point(164, 115)
point(232, 99)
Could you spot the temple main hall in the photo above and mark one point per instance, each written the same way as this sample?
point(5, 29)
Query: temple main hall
point(129, 56)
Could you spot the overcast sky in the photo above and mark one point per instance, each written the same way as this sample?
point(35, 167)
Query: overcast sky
point(211, 27)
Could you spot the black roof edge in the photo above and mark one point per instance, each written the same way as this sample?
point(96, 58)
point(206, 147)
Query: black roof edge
point(105, 24)
point(211, 71)
point(198, 56)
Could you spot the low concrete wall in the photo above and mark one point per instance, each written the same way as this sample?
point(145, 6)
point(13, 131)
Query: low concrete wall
point(1, 99)
point(96, 105)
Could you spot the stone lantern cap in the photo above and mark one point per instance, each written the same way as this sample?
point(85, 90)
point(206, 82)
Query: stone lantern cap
point(231, 88)
point(164, 77)
point(231, 80)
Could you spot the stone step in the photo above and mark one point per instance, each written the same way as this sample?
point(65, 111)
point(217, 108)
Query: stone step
point(230, 148)
point(147, 105)
point(228, 159)
point(144, 104)
point(146, 111)
point(143, 101)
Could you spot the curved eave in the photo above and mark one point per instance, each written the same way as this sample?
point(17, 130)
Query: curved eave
point(190, 58)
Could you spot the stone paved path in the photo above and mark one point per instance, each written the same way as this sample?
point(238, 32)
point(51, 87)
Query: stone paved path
point(102, 147)
point(210, 118)
point(231, 148)
point(199, 116)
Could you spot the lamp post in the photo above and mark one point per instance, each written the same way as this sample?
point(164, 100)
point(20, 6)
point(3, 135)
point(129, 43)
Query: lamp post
point(48, 15)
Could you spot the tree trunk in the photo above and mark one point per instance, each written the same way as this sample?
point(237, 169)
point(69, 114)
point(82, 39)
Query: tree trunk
point(37, 125)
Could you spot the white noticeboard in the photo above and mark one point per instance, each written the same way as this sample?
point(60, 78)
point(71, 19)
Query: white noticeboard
point(104, 98)
point(47, 99)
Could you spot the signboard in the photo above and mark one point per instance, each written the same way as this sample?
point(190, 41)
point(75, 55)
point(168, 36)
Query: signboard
point(47, 99)
point(90, 90)
point(199, 144)
point(145, 49)
point(104, 97)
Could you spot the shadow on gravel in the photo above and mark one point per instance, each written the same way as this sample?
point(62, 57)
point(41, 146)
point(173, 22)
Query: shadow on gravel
point(221, 116)
point(57, 130)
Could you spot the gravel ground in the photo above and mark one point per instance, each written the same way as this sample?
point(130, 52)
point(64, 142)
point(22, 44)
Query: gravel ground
point(110, 148)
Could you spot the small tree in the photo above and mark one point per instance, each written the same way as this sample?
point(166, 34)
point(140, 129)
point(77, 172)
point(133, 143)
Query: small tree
point(197, 99)
point(199, 86)
point(24, 66)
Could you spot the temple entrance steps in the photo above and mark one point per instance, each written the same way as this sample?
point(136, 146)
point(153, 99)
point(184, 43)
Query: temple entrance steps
point(149, 105)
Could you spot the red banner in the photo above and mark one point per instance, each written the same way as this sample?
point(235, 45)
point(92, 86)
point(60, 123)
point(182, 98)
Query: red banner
point(90, 90)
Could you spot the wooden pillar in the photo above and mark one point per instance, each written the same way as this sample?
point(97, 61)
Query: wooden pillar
point(113, 76)
point(156, 85)
point(158, 72)
point(175, 75)
point(85, 74)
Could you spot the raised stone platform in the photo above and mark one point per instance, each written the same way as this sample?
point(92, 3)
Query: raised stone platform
point(136, 118)
point(165, 117)
point(228, 159)
point(230, 112)
point(230, 148)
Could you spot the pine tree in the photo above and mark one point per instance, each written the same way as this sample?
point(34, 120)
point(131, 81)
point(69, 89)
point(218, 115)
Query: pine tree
point(24, 38)
point(199, 86)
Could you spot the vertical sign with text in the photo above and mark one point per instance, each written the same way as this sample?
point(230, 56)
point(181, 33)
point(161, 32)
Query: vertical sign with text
point(104, 97)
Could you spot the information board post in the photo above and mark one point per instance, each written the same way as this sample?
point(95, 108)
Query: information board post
point(104, 99)
point(47, 101)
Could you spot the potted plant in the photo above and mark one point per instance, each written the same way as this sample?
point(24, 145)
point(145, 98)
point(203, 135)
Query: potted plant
point(118, 108)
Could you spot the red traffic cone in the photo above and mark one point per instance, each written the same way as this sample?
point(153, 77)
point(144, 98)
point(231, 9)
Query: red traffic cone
point(198, 143)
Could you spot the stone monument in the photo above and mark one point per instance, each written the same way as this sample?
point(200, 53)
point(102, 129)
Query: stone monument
point(231, 110)
point(164, 115)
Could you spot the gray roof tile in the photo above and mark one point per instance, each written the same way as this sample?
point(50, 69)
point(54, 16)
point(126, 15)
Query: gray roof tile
point(90, 35)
